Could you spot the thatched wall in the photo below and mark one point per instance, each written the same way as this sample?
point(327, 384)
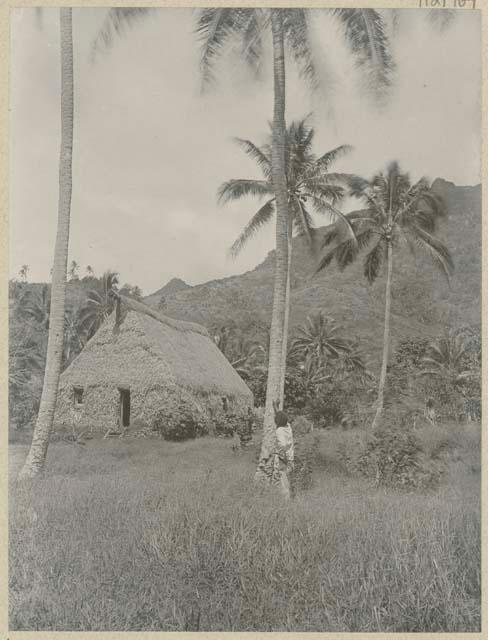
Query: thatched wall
point(161, 363)
point(101, 405)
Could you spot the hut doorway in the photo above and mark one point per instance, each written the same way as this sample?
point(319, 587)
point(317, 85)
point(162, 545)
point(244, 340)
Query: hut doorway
point(124, 407)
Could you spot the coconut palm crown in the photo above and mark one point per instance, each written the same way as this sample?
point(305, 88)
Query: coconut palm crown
point(318, 339)
point(310, 185)
point(397, 212)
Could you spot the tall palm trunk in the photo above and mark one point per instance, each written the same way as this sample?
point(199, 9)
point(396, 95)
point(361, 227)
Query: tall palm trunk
point(38, 451)
point(386, 339)
point(278, 176)
point(287, 314)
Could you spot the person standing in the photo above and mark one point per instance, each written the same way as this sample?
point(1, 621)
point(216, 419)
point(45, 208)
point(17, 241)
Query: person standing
point(284, 453)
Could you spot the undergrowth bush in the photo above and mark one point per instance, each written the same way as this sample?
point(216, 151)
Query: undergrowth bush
point(325, 412)
point(392, 456)
point(181, 424)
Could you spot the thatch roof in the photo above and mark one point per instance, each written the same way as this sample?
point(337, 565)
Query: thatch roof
point(139, 346)
point(140, 307)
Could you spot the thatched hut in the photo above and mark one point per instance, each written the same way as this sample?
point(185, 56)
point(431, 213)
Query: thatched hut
point(141, 362)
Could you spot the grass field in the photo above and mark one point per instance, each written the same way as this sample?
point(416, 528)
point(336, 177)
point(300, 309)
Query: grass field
point(139, 534)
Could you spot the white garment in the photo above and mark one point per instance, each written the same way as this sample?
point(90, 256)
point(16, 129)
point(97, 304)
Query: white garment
point(284, 439)
point(283, 459)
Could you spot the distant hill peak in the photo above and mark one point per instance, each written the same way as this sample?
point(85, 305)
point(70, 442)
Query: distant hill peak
point(174, 285)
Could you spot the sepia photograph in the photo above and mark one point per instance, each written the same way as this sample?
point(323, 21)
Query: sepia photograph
point(244, 319)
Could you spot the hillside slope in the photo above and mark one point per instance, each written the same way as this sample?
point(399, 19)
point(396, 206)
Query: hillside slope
point(423, 303)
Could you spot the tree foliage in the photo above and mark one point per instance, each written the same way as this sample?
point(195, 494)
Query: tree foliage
point(99, 304)
point(396, 211)
point(311, 187)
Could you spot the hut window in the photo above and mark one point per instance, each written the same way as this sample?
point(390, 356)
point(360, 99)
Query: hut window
point(78, 396)
point(225, 404)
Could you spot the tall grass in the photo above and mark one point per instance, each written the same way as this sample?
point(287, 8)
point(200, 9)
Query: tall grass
point(149, 535)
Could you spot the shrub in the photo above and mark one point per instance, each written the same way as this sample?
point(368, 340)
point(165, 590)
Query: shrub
point(301, 425)
point(436, 440)
point(182, 423)
point(220, 424)
point(326, 411)
point(393, 457)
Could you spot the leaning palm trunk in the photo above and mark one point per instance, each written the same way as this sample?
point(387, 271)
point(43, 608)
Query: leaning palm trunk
point(278, 171)
point(386, 341)
point(287, 315)
point(37, 454)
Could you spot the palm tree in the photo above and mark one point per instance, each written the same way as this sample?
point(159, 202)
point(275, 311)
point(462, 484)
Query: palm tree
point(364, 31)
point(37, 455)
point(99, 305)
point(397, 213)
point(308, 181)
point(317, 340)
point(446, 359)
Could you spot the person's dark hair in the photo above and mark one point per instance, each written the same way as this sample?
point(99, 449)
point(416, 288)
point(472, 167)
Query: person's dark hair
point(281, 419)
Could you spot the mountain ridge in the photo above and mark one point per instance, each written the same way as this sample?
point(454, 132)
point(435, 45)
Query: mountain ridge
point(422, 302)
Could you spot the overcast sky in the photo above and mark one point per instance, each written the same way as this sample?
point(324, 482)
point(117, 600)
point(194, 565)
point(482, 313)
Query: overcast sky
point(150, 151)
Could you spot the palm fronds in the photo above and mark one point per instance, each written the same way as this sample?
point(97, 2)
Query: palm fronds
point(238, 188)
point(307, 179)
point(365, 32)
point(297, 36)
point(302, 219)
point(262, 159)
point(252, 39)
point(395, 209)
point(446, 358)
point(260, 218)
point(116, 22)
point(318, 338)
point(374, 260)
point(436, 249)
point(216, 27)
point(328, 158)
